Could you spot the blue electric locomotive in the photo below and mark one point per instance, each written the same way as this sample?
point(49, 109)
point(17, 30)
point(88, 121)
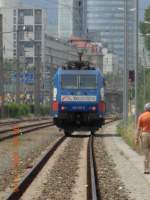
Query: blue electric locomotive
point(78, 99)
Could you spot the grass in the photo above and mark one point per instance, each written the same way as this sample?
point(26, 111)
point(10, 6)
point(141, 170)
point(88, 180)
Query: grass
point(127, 132)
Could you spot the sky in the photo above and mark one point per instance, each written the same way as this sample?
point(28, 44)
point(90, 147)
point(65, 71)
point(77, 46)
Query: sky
point(50, 5)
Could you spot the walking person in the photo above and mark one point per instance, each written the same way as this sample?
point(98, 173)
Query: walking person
point(143, 132)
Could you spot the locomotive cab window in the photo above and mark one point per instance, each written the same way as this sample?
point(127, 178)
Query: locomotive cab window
point(69, 81)
point(88, 82)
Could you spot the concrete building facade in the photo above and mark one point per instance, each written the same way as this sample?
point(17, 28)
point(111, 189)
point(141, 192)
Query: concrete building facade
point(24, 31)
point(8, 3)
point(110, 62)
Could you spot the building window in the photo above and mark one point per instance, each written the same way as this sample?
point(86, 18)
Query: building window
point(28, 44)
point(21, 16)
point(15, 36)
point(14, 52)
point(15, 20)
point(21, 49)
point(38, 16)
point(38, 49)
point(14, 12)
point(28, 12)
point(29, 60)
point(15, 44)
point(20, 33)
point(38, 32)
point(14, 28)
point(29, 28)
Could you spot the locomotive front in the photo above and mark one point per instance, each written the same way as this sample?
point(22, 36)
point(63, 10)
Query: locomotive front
point(78, 100)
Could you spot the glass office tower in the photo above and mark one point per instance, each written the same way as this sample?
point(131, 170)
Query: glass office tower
point(71, 18)
point(105, 22)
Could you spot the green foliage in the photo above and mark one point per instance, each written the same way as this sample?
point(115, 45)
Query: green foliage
point(143, 87)
point(14, 110)
point(147, 14)
point(127, 132)
point(24, 110)
point(147, 42)
point(147, 85)
point(140, 91)
point(145, 28)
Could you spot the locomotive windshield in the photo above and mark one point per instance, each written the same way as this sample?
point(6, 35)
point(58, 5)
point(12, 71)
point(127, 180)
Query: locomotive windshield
point(69, 81)
point(88, 82)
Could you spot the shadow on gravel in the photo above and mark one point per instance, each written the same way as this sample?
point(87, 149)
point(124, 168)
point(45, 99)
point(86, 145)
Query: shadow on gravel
point(79, 136)
point(106, 135)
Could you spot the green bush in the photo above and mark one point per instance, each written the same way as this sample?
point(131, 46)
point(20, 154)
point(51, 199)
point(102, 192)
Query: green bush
point(24, 110)
point(15, 110)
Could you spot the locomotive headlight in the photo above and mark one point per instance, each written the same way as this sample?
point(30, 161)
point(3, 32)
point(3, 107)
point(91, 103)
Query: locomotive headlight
point(102, 94)
point(54, 93)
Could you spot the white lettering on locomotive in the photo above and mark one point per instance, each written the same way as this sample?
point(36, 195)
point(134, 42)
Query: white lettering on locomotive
point(70, 98)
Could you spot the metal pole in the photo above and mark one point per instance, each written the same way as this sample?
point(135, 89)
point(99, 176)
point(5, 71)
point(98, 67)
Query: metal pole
point(18, 71)
point(37, 80)
point(125, 75)
point(1, 69)
point(144, 68)
point(136, 62)
point(51, 79)
point(144, 76)
point(144, 87)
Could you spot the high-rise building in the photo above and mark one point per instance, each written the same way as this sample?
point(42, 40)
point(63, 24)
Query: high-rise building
point(24, 31)
point(106, 22)
point(23, 45)
point(71, 18)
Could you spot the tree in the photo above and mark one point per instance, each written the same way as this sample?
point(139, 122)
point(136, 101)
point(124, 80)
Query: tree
point(145, 28)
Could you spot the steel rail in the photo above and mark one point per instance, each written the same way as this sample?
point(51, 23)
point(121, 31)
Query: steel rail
point(92, 193)
point(28, 129)
point(23, 126)
point(25, 183)
point(21, 121)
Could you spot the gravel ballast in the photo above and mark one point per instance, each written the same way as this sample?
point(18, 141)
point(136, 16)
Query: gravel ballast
point(109, 184)
point(129, 165)
point(29, 148)
point(61, 179)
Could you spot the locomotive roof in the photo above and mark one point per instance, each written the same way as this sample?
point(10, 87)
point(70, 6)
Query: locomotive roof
point(78, 65)
point(76, 71)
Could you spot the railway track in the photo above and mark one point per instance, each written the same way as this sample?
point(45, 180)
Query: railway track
point(25, 183)
point(10, 132)
point(92, 182)
point(18, 121)
point(92, 193)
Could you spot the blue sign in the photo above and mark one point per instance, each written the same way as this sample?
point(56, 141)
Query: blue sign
point(25, 77)
point(28, 78)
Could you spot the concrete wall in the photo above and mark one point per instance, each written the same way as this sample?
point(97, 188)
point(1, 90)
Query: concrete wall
point(8, 3)
point(8, 39)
